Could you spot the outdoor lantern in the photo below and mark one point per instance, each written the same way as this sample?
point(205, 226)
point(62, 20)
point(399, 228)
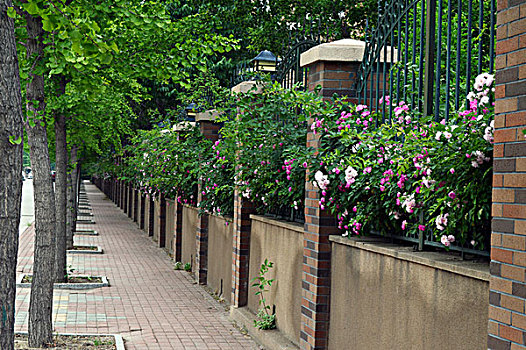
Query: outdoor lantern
point(191, 111)
point(265, 61)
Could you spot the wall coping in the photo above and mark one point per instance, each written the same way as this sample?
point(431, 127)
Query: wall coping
point(293, 226)
point(246, 86)
point(209, 115)
point(183, 126)
point(190, 207)
point(345, 50)
point(446, 262)
point(222, 218)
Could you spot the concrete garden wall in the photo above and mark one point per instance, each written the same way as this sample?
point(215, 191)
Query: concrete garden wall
point(146, 220)
point(139, 204)
point(170, 226)
point(281, 243)
point(384, 296)
point(219, 277)
point(157, 214)
point(188, 247)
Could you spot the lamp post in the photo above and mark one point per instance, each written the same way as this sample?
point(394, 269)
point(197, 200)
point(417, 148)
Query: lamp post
point(265, 61)
point(191, 111)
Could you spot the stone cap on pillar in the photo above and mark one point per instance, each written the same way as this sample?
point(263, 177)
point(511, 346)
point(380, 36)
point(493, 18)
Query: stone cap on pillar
point(183, 126)
point(209, 115)
point(345, 50)
point(247, 86)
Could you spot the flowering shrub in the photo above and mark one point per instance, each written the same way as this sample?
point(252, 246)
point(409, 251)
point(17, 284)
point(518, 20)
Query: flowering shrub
point(217, 176)
point(265, 138)
point(164, 161)
point(262, 149)
point(413, 175)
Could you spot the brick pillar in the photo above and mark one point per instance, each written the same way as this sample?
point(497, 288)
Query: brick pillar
point(336, 73)
point(123, 195)
point(178, 228)
point(126, 198)
point(151, 216)
point(130, 200)
point(117, 187)
point(142, 211)
point(135, 204)
point(507, 318)
point(115, 191)
point(241, 249)
point(210, 131)
point(161, 221)
point(241, 232)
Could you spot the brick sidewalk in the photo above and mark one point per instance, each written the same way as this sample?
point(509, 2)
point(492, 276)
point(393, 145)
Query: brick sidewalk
point(148, 302)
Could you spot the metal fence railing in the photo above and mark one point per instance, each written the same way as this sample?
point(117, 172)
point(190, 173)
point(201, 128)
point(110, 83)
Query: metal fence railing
point(287, 213)
point(426, 53)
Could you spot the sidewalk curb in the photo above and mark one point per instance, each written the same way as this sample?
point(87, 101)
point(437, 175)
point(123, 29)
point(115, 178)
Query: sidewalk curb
point(86, 233)
point(85, 222)
point(271, 339)
point(74, 286)
point(74, 251)
point(119, 341)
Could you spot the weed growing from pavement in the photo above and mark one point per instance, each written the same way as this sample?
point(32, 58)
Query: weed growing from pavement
point(266, 319)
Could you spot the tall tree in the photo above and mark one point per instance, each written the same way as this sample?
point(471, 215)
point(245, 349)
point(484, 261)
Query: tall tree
point(41, 302)
point(104, 48)
point(61, 163)
point(10, 173)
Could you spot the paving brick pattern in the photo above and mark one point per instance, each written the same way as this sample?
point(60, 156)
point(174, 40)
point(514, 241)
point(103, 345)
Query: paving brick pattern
point(148, 302)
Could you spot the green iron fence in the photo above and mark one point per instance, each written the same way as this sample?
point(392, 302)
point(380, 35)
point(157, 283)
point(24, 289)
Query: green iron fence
point(426, 53)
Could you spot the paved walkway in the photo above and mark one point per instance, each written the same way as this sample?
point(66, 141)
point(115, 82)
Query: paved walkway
point(149, 303)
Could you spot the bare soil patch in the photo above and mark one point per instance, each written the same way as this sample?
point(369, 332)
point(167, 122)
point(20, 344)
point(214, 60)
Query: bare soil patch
point(70, 279)
point(70, 342)
point(84, 247)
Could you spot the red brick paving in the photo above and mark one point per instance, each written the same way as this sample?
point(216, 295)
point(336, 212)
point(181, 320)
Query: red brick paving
point(148, 302)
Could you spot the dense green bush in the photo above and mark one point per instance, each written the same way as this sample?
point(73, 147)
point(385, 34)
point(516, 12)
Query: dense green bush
point(412, 175)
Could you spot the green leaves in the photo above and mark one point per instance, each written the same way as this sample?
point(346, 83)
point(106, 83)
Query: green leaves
point(11, 12)
point(14, 141)
point(31, 7)
point(266, 319)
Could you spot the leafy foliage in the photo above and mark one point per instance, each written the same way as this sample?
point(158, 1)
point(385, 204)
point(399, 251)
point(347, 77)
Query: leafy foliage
point(266, 319)
point(415, 175)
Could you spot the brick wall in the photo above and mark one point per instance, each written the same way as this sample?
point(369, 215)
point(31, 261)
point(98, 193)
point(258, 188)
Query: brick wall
point(507, 317)
point(333, 77)
point(241, 249)
point(241, 235)
point(178, 231)
point(210, 131)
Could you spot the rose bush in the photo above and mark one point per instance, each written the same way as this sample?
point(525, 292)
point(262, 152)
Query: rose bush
point(413, 175)
point(166, 161)
point(265, 137)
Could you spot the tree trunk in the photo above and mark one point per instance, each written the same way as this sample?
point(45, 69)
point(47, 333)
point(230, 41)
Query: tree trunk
point(69, 213)
point(10, 174)
point(41, 302)
point(61, 164)
point(73, 193)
